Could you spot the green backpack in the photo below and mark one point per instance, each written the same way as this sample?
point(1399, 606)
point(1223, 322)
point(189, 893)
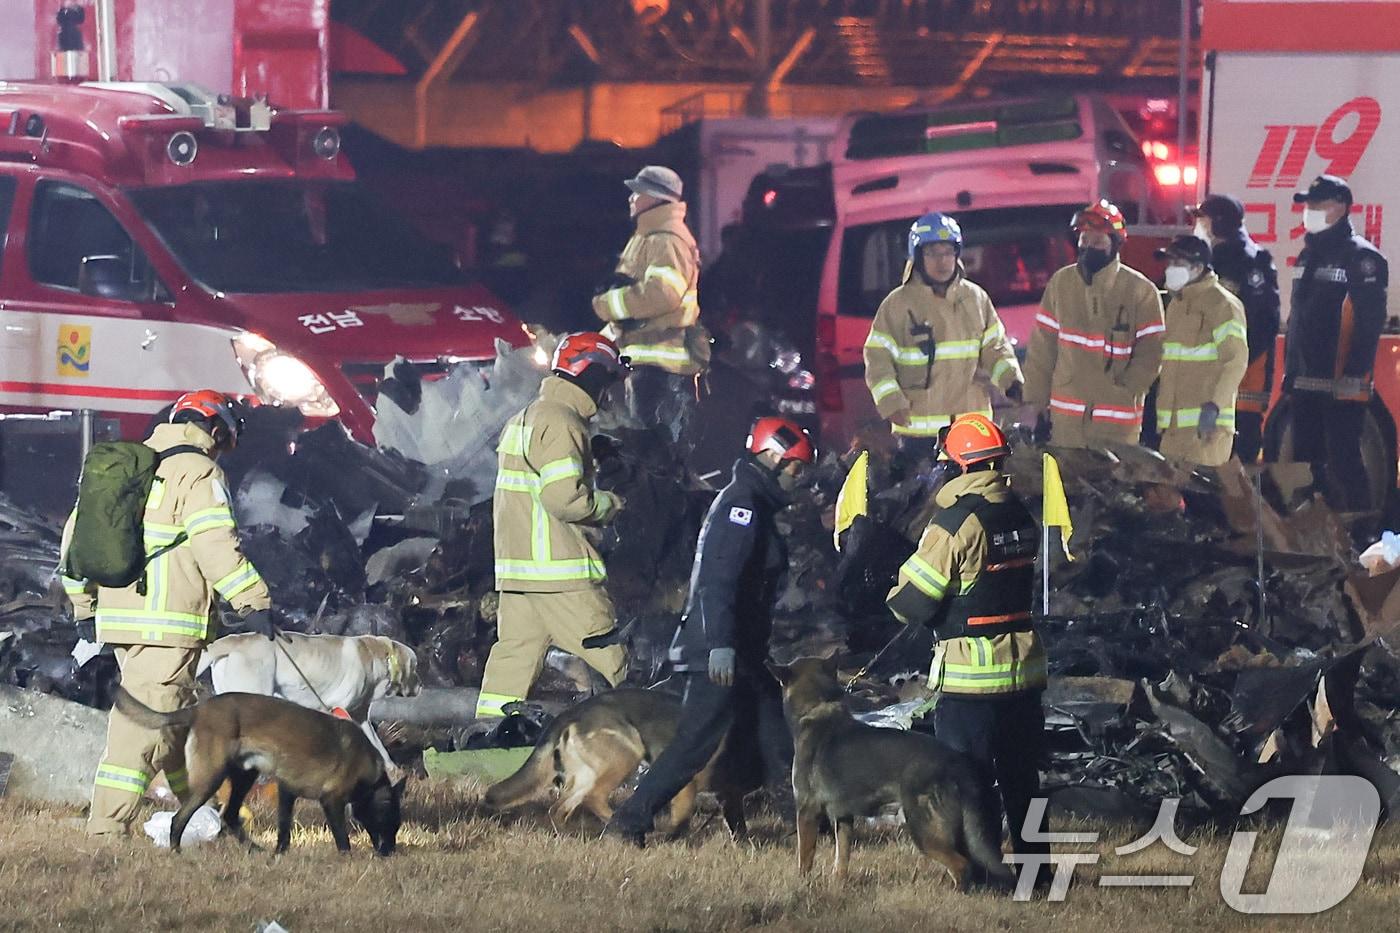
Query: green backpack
point(108, 542)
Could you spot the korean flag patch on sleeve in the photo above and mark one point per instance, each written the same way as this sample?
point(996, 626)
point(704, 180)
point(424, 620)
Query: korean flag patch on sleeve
point(740, 516)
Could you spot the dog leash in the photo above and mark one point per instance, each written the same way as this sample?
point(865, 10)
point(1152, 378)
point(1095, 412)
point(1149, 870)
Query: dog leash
point(898, 637)
point(304, 679)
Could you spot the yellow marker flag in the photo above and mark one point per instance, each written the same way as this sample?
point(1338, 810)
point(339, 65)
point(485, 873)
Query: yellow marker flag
point(1054, 509)
point(853, 498)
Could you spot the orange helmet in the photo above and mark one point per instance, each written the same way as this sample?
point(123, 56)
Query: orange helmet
point(973, 439)
point(577, 352)
point(786, 438)
point(1100, 217)
point(216, 407)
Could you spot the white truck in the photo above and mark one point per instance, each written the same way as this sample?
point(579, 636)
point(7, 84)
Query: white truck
point(1291, 90)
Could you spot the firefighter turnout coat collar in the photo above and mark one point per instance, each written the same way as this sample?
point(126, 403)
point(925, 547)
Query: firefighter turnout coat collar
point(974, 573)
point(178, 606)
point(544, 499)
point(652, 310)
point(1203, 360)
point(1095, 351)
point(933, 355)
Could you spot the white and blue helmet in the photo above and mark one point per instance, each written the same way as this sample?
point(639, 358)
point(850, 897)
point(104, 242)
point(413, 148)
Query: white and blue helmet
point(934, 228)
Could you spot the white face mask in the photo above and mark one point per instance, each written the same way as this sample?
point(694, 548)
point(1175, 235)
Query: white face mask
point(1178, 277)
point(1202, 230)
point(1314, 221)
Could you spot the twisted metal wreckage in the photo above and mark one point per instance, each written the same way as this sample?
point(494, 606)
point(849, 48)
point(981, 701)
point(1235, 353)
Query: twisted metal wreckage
point(1210, 634)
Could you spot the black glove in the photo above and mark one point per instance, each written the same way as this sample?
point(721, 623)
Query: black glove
point(610, 637)
point(604, 448)
point(1013, 392)
point(613, 636)
point(1042, 428)
point(616, 280)
point(1210, 414)
point(263, 622)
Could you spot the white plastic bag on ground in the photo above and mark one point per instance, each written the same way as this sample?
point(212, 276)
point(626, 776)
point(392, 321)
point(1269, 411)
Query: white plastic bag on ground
point(83, 652)
point(1382, 556)
point(897, 716)
point(202, 827)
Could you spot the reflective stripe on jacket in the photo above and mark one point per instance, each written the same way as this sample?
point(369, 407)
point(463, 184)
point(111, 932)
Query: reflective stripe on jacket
point(190, 495)
point(655, 319)
point(1203, 361)
point(1095, 351)
point(544, 496)
point(948, 563)
point(968, 346)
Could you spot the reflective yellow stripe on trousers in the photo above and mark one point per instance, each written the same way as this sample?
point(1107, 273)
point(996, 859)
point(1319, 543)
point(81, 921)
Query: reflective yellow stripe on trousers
point(127, 780)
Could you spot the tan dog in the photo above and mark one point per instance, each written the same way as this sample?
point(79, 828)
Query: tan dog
point(844, 768)
point(239, 736)
point(589, 750)
point(321, 672)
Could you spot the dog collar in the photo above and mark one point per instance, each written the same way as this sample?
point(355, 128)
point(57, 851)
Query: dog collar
point(394, 667)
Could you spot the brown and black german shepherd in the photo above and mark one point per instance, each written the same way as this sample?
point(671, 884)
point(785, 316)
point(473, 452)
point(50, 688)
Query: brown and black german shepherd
point(589, 750)
point(239, 736)
point(844, 768)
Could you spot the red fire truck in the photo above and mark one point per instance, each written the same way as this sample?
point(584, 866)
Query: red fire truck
point(156, 237)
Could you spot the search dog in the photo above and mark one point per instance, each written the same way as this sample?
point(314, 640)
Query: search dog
point(239, 736)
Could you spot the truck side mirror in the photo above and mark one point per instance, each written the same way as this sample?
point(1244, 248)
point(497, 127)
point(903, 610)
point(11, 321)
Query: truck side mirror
point(109, 277)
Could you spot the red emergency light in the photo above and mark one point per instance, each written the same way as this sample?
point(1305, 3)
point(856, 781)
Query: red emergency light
point(1170, 174)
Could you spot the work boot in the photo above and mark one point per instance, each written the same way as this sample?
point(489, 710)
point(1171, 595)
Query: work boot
point(629, 835)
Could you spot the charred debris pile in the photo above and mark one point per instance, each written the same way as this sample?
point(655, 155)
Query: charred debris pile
point(1172, 674)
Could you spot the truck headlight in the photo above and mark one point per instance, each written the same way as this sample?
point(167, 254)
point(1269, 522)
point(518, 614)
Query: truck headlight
point(282, 379)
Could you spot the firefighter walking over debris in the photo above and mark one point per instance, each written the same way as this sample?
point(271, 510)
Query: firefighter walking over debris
point(1204, 359)
point(650, 305)
point(1247, 272)
point(936, 342)
point(1097, 345)
point(1334, 329)
point(163, 617)
point(972, 580)
point(548, 571)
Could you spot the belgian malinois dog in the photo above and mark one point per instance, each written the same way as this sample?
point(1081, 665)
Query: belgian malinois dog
point(844, 768)
point(239, 736)
point(590, 749)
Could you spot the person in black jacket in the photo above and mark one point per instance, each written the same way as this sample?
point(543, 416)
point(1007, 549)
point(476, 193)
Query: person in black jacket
point(1334, 328)
point(720, 648)
point(1247, 271)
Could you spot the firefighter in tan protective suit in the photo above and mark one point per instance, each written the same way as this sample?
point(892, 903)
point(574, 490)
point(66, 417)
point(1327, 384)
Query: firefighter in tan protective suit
point(936, 343)
point(1097, 345)
point(972, 581)
point(548, 571)
point(651, 307)
point(1205, 358)
point(160, 628)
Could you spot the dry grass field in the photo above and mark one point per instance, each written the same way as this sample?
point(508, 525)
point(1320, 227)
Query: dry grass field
point(457, 869)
